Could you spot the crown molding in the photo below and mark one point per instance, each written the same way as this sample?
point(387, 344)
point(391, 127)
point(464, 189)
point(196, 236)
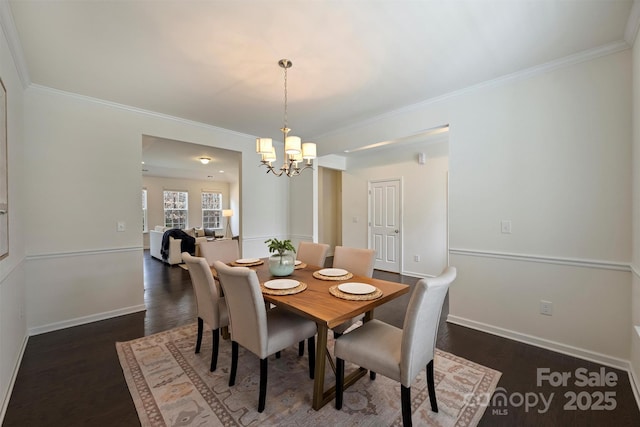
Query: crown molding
point(11, 34)
point(137, 110)
point(527, 73)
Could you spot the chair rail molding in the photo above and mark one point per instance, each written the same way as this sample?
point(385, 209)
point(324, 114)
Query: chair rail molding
point(84, 252)
point(576, 262)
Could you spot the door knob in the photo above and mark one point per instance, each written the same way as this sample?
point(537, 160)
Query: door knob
point(397, 231)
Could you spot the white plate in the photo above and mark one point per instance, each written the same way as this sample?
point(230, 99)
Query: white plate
point(332, 272)
point(247, 260)
point(281, 284)
point(356, 288)
point(298, 262)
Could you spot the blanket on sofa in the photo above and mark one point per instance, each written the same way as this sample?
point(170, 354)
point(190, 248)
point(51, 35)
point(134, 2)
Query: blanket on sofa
point(187, 244)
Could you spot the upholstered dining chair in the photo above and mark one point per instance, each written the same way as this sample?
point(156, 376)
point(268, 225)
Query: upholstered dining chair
point(358, 261)
point(220, 250)
point(263, 332)
point(211, 307)
point(312, 253)
point(399, 354)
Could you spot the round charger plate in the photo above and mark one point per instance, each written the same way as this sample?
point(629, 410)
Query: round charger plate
point(281, 292)
point(333, 272)
point(247, 260)
point(333, 290)
point(281, 284)
point(357, 288)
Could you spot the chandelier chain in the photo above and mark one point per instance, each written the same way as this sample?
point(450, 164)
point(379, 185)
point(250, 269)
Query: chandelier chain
point(285, 101)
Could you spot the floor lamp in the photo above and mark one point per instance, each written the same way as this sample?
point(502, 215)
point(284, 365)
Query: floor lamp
point(228, 213)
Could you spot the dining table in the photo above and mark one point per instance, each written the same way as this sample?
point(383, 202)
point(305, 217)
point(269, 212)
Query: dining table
point(318, 301)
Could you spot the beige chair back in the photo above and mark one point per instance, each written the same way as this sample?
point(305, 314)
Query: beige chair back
point(208, 298)
point(220, 250)
point(356, 260)
point(420, 329)
point(247, 312)
point(312, 253)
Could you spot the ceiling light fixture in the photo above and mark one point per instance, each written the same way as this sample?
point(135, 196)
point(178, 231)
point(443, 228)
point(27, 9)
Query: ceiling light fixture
point(204, 160)
point(294, 151)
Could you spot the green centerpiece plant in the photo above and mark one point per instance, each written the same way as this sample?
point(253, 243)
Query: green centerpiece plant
point(282, 262)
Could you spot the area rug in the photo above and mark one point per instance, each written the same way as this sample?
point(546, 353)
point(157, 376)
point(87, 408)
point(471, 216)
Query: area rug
point(172, 386)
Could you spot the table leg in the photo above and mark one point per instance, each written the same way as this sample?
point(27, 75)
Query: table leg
point(321, 396)
point(318, 381)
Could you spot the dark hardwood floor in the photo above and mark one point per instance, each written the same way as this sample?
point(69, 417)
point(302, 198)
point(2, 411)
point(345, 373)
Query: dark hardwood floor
point(72, 377)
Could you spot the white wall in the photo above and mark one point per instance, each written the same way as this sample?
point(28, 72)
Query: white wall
point(83, 158)
point(13, 327)
point(424, 205)
point(301, 207)
point(551, 152)
point(155, 200)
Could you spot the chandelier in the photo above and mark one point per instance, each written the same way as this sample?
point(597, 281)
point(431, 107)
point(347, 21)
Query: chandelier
point(295, 152)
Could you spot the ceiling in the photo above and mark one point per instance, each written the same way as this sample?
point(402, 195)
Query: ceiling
point(215, 62)
point(176, 159)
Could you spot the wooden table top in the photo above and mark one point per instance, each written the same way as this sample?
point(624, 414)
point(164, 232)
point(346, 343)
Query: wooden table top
point(318, 304)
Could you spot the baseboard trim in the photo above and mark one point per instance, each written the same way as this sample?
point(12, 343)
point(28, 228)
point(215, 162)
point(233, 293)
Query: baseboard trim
point(12, 381)
point(37, 330)
point(580, 353)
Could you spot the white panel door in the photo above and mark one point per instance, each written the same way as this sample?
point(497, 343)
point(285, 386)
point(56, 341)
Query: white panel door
point(384, 223)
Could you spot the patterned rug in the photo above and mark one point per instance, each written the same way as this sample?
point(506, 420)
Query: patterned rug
point(172, 386)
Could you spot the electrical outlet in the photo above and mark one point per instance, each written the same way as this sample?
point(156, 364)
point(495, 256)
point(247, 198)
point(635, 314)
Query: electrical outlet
point(546, 307)
point(416, 258)
point(121, 226)
point(505, 226)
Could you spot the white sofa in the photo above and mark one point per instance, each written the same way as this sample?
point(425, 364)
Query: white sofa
point(175, 252)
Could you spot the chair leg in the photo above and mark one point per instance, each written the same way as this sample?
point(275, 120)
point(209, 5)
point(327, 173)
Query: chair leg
point(234, 363)
point(199, 339)
point(263, 384)
point(311, 341)
point(301, 348)
point(277, 355)
point(431, 387)
point(372, 375)
point(405, 393)
point(214, 350)
point(339, 382)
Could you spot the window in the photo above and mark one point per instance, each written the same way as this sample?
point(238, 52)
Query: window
point(211, 210)
point(176, 209)
point(145, 225)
